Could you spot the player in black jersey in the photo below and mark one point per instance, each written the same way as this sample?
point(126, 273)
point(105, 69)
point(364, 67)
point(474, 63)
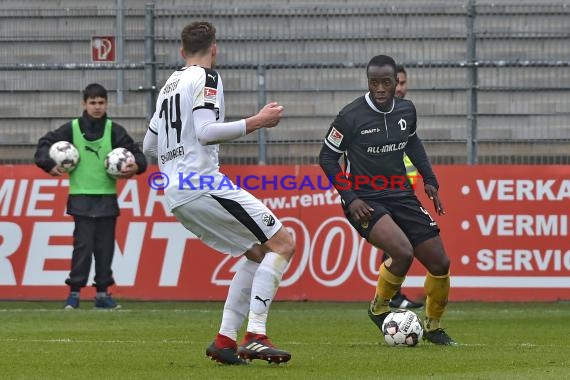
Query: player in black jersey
point(372, 133)
point(400, 300)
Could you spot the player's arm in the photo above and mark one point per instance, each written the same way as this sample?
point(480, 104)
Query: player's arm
point(329, 162)
point(150, 142)
point(417, 153)
point(41, 156)
point(209, 131)
point(335, 144)
point(360, 211)
point(206, 98)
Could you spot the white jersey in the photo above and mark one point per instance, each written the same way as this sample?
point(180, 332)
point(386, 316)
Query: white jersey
point(192, 168)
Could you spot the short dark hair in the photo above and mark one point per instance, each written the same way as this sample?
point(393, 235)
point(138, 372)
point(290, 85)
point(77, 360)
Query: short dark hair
point(197, 37)
point(401, 69)
point(94, 90)
point(382, 60)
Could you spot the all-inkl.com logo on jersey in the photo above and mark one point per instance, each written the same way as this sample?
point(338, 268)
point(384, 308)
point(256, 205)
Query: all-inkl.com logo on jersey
point(343, 181)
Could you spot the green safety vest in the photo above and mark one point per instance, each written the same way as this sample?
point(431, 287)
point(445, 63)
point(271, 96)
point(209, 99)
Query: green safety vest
point(89, 176)
point(411, 170)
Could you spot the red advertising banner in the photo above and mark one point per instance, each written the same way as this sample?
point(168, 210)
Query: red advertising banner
point(505, 230)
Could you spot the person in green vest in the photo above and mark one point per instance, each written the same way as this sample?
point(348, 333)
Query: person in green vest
point(400, 300)
point(92, 198)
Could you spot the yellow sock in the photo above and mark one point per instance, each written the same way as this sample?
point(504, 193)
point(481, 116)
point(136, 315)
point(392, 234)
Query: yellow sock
point(388, 285)
point(437, 292)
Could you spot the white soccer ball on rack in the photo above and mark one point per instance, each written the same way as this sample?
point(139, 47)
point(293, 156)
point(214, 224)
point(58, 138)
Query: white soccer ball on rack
point(402, 328)
point(116, 161)
point(65, 155)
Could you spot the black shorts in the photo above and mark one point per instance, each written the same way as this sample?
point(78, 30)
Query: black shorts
point(406, 211)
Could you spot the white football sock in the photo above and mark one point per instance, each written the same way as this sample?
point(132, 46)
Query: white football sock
point(237, 302)
point(265, 284)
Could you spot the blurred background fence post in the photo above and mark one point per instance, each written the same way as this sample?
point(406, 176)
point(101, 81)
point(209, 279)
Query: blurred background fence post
point(471, 84)
point(120, 50)
point(150, 61)
point(261, 101)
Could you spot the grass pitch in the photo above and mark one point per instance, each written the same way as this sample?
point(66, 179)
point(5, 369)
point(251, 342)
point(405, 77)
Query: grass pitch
point(167, 340)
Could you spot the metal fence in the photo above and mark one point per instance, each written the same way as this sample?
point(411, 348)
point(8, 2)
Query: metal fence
point(491, 81)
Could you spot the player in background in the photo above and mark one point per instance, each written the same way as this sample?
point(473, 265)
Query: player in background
point(92, 199)
point(184, 134)
point(400, 300)
point(401, 91)
point(372, 133)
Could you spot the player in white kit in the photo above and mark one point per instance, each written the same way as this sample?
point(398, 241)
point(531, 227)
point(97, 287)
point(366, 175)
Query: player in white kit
point(183, 134)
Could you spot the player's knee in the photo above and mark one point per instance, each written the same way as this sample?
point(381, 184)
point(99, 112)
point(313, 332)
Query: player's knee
point(440, 267)
point(406, 253)
point(406, 257)
point(402, 257)
point(281, 243)
point(288, 245)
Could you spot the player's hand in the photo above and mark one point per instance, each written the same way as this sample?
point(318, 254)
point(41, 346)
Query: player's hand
point(57, 171)
point(271, 114)
point(129, 170)
point(431, 192)
point(359, 210)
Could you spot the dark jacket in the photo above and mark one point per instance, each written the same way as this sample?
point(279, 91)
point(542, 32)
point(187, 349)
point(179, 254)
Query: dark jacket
point(92, 129)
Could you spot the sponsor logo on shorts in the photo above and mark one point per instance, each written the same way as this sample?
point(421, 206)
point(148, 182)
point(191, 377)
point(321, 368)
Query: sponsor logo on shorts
point(268, 220)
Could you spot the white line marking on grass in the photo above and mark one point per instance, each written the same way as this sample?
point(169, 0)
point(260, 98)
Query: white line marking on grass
point(84, 341)
point(121, 311)
point(292, 343)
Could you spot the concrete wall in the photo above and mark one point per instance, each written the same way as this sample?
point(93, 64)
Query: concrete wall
point(515, 103)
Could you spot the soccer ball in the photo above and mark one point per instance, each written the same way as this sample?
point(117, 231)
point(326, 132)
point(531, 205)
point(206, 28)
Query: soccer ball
point(116, 160)
point(65, 155)
point(402, 328)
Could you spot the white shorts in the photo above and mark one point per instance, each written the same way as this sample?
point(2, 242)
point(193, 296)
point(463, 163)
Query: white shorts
point(230, 221)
